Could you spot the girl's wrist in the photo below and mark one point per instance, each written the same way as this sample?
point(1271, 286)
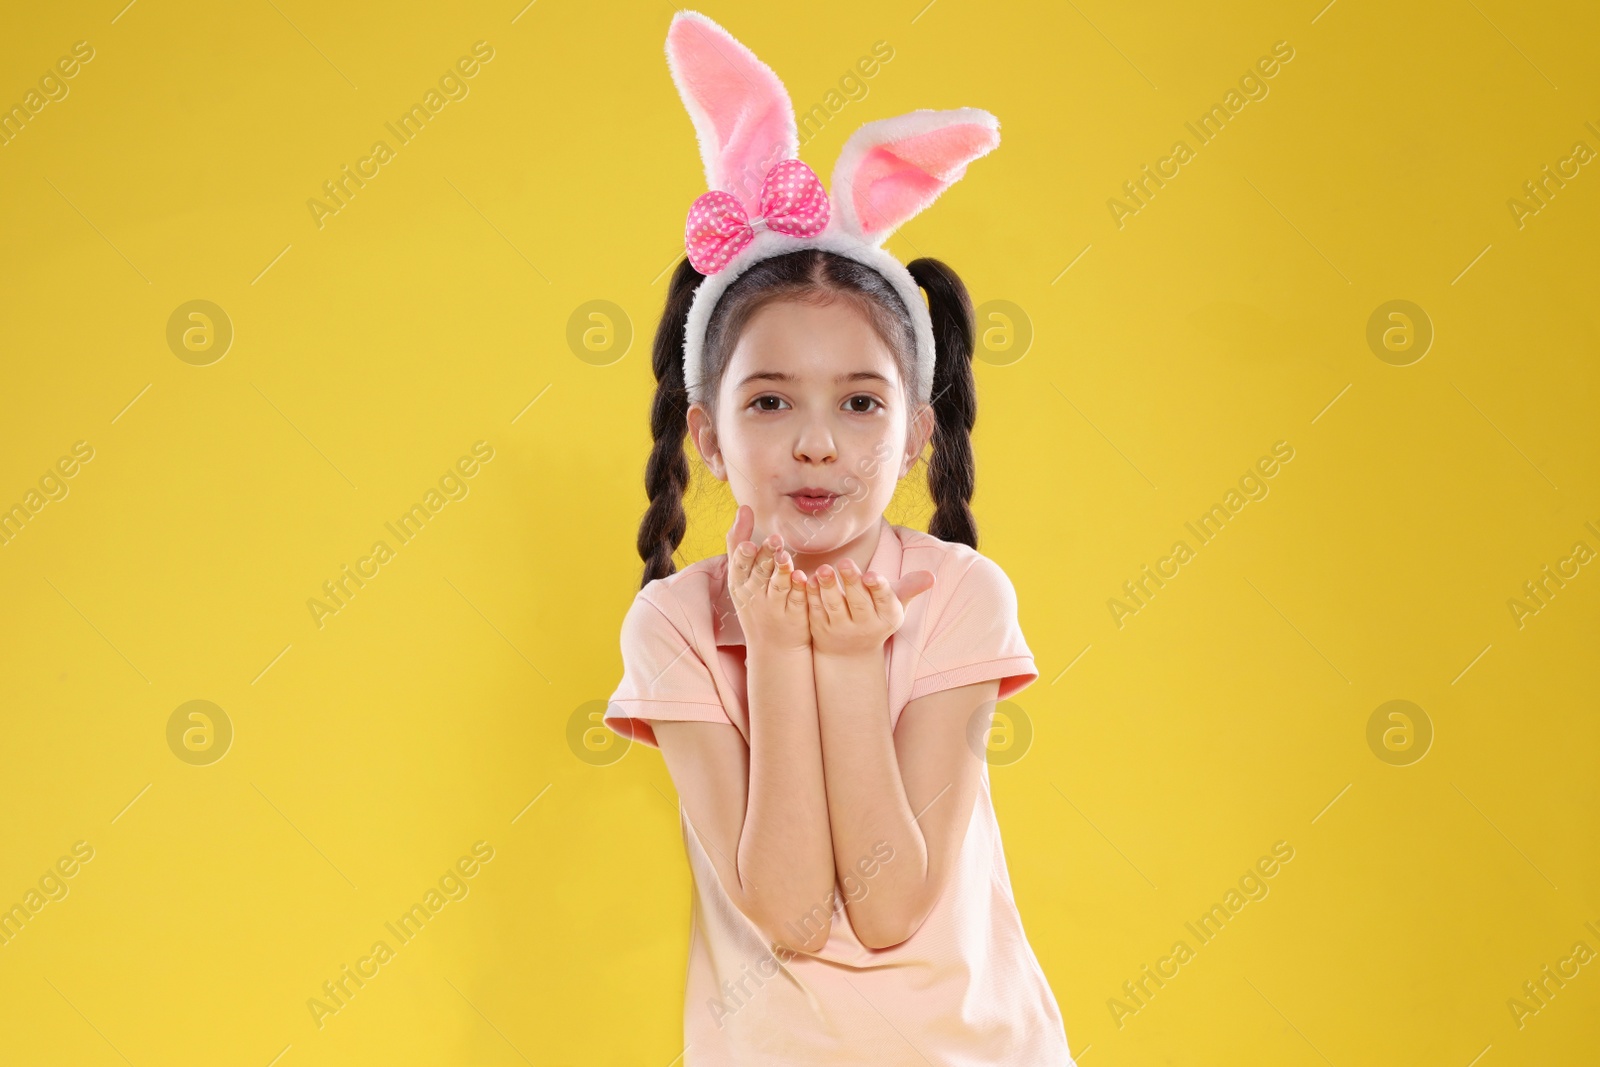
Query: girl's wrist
point(857, 655)
point(775, 649)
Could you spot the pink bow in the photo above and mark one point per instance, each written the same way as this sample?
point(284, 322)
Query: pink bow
point(792, 202)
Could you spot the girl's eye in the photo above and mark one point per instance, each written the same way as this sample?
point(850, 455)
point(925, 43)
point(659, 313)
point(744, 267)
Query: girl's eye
point(870, 403)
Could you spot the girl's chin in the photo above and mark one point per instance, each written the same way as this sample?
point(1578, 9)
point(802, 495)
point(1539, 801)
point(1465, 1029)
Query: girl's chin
point(804, 535)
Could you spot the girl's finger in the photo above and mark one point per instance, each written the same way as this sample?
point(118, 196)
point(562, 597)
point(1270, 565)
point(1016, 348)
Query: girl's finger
point(819, 610)
point(739, 560)
point(882, 595)
point(856, 595)
point(762, 568)
point(913, 585)
point(784, 567)
point(744, 520)
point(832, 598)
point(797, 590)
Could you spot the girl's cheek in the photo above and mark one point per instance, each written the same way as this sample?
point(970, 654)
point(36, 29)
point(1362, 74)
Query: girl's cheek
point(883, 452)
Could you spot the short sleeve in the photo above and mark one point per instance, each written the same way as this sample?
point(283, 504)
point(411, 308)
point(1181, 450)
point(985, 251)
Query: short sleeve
point(976, 637)
point(663, 677)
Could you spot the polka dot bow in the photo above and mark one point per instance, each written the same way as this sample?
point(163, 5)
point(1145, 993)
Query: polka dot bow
point(792, 202)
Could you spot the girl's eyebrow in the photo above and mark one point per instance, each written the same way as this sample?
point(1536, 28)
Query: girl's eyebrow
point(781, 376)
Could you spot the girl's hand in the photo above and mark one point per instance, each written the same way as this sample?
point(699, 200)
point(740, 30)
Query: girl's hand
point(768, 594)
point(851, 615)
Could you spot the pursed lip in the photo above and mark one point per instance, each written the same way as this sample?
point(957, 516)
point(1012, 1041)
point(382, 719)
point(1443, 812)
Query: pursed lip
point(814, 493)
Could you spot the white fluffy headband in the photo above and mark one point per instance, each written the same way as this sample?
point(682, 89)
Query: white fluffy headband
point(887, 172)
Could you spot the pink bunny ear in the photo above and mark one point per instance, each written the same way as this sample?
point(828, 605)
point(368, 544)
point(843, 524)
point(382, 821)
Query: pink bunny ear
point(741, 112)
point(891, 169)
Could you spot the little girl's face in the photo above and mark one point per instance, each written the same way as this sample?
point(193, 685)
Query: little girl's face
point(811, 400)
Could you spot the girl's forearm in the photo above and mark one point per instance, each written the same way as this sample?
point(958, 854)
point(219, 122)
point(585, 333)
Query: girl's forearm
point(867, 798)
point(785, 848)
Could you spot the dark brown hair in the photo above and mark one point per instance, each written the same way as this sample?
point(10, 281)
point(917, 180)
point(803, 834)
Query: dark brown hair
point(815, 275)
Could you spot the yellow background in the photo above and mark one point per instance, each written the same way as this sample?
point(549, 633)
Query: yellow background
point(369, 354)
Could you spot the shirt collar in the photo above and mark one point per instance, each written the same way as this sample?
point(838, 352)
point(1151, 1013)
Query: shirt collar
point(725, 620)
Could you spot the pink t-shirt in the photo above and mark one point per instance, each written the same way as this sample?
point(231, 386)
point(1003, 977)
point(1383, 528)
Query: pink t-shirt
point(966, 988)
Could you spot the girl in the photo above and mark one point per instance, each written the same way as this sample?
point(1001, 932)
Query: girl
point(822, 692)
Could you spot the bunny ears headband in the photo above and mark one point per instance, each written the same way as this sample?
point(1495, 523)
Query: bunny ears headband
point(763, 201)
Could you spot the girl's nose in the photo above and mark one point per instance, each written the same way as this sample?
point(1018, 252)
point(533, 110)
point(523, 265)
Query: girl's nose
point(815, 444)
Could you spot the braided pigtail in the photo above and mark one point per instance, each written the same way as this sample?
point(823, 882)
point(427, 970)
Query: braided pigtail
point(952, 470)
point(666, 475)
